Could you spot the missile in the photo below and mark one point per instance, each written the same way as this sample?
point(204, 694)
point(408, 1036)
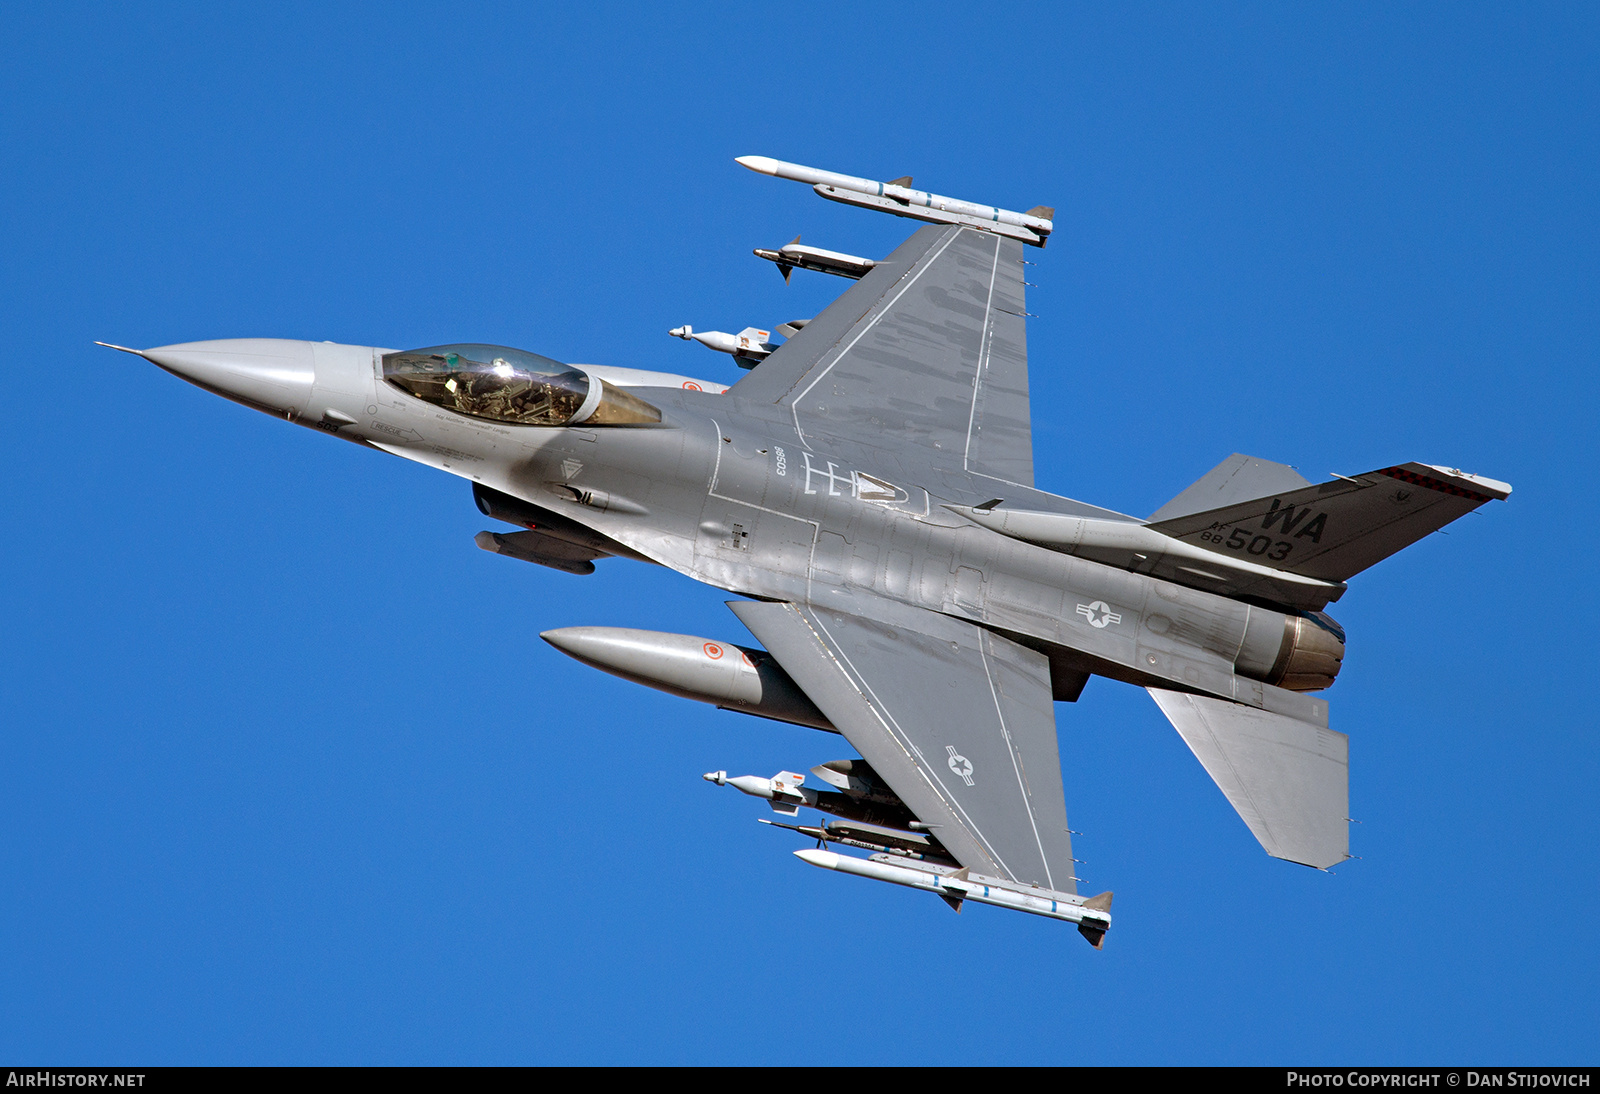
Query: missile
point(727, 676)
point(792, 255)
point(870, 837)
point(749, 347)
point(1092, 914)
point(898, 198)
point(783, 791)
point(877, 806)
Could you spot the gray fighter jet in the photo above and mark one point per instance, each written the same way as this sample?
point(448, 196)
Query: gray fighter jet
point(868, 488)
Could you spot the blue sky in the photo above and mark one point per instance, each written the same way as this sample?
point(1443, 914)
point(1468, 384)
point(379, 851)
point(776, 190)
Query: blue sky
point(291, 778)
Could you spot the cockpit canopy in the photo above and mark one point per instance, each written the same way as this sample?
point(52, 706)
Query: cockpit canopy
point(511, 385)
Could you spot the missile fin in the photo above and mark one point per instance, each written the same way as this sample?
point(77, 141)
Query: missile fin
point(1094, 932)
point(1101, 903)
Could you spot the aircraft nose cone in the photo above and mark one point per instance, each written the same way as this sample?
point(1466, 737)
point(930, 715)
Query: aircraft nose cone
point(271, 374)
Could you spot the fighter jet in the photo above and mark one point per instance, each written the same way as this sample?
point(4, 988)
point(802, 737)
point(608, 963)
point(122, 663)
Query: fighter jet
point(866, 489)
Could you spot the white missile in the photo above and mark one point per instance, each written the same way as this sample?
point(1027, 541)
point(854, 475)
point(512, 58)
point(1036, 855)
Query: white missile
point(899, 198)
point(1091, 914)
point(749, 345)
point(728, 676)
point(783, 791)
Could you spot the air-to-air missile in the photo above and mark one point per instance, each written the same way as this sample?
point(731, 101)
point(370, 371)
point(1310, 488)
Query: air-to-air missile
point(898, 198)
point(1091, 914)
point(904, 857)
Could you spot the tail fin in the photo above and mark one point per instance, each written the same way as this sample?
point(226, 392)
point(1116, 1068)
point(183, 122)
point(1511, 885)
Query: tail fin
point(1237, 478)
point(1331, 531)
point(1093, 930)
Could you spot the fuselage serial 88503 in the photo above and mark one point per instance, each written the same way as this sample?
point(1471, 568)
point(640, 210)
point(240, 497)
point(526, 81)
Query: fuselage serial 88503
point(867, 486)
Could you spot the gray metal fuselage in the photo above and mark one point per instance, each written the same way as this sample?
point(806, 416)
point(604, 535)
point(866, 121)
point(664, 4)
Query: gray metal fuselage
point(869, 487)
point(726, 492)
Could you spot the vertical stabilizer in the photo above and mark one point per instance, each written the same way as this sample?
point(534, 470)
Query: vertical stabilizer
point(1237, 478)
point(1334, 530)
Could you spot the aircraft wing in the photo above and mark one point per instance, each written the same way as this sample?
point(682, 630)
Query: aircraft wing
point(927, 349)
point(958, 721)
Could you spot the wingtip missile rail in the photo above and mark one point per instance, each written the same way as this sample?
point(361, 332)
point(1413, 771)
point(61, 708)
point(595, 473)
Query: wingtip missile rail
point(898, 198)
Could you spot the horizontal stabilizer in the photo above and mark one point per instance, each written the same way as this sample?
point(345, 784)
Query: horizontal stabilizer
point(1334, 530)
point(1287, 779)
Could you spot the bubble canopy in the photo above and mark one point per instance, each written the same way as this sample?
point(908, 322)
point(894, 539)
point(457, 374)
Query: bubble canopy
point(509, 385)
